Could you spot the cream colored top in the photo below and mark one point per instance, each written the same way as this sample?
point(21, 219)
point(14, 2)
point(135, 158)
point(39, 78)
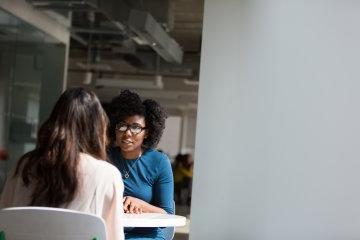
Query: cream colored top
point(100, 192)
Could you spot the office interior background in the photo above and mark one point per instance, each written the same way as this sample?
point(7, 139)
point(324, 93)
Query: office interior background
point(151, 47)
point(277, 120)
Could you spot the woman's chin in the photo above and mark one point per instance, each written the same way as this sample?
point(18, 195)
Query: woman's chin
point(127, 149)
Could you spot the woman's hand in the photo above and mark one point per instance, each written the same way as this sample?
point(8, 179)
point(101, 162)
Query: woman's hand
point(133, 205)
point(138, 206)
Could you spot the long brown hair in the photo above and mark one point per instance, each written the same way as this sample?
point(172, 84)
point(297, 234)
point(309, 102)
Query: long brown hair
point(77, 124)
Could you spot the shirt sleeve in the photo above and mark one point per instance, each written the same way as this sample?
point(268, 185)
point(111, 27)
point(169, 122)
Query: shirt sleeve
point(113, 213)
point(164, 187)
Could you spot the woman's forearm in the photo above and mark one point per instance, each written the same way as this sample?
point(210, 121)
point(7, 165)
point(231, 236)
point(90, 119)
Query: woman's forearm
point(136, 205)
point(148, 208)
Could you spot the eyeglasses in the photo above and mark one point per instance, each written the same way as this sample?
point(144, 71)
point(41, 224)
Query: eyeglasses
point(134, 128)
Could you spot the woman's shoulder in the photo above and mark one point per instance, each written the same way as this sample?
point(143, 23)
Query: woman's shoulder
point(98, 166)
point(99, 177)
point(155, 155)
point(157, 159)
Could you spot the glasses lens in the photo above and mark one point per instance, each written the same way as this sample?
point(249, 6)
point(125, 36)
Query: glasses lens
point(135, 129)
point(121, 127)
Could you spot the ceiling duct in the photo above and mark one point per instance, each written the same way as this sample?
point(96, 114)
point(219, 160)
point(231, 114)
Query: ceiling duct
point(124, 12)
point(150, 31)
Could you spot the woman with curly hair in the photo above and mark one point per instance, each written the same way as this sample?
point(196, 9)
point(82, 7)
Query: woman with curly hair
point(136, 128)
point(67, 168)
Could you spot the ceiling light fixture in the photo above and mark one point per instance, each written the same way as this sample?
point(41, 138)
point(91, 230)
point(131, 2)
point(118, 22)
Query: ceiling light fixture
point(191, 82)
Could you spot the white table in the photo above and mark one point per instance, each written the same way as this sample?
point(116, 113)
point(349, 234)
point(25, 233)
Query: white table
point(153, 220)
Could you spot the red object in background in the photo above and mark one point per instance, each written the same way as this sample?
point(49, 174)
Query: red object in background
point(3, 155)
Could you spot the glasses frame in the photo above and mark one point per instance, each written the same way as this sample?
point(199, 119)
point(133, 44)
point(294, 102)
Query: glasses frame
point(128, 127)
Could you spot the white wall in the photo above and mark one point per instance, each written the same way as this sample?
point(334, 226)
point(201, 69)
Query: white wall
point(278, 131)
point(179, 134)
point(188, 132)
point(170, 140)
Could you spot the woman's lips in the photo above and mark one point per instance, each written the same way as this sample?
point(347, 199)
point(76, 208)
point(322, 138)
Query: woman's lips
point(126, 141)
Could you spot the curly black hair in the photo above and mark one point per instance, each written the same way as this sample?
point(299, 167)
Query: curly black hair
point(128, 104)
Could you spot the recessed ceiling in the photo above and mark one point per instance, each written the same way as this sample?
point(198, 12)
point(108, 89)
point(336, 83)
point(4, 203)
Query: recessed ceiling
point(104, 45)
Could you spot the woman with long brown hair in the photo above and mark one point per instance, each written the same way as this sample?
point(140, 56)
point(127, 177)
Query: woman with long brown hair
point(66, 169)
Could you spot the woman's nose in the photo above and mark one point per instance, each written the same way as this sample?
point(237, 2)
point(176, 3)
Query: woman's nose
point(128, 132)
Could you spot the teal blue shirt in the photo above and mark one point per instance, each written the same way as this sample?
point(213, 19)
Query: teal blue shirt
point(150, 179)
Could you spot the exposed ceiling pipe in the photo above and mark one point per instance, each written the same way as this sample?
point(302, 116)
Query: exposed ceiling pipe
point(99, 31)
point(73, 5)
point(151, 83)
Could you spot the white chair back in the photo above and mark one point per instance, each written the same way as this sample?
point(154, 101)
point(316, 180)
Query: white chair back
point(43, 223)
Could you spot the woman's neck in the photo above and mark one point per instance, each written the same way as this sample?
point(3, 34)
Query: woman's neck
point(131, 155)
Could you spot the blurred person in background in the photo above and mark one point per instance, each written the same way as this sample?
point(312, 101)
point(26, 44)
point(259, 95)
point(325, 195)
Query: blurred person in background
point(183, 173)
